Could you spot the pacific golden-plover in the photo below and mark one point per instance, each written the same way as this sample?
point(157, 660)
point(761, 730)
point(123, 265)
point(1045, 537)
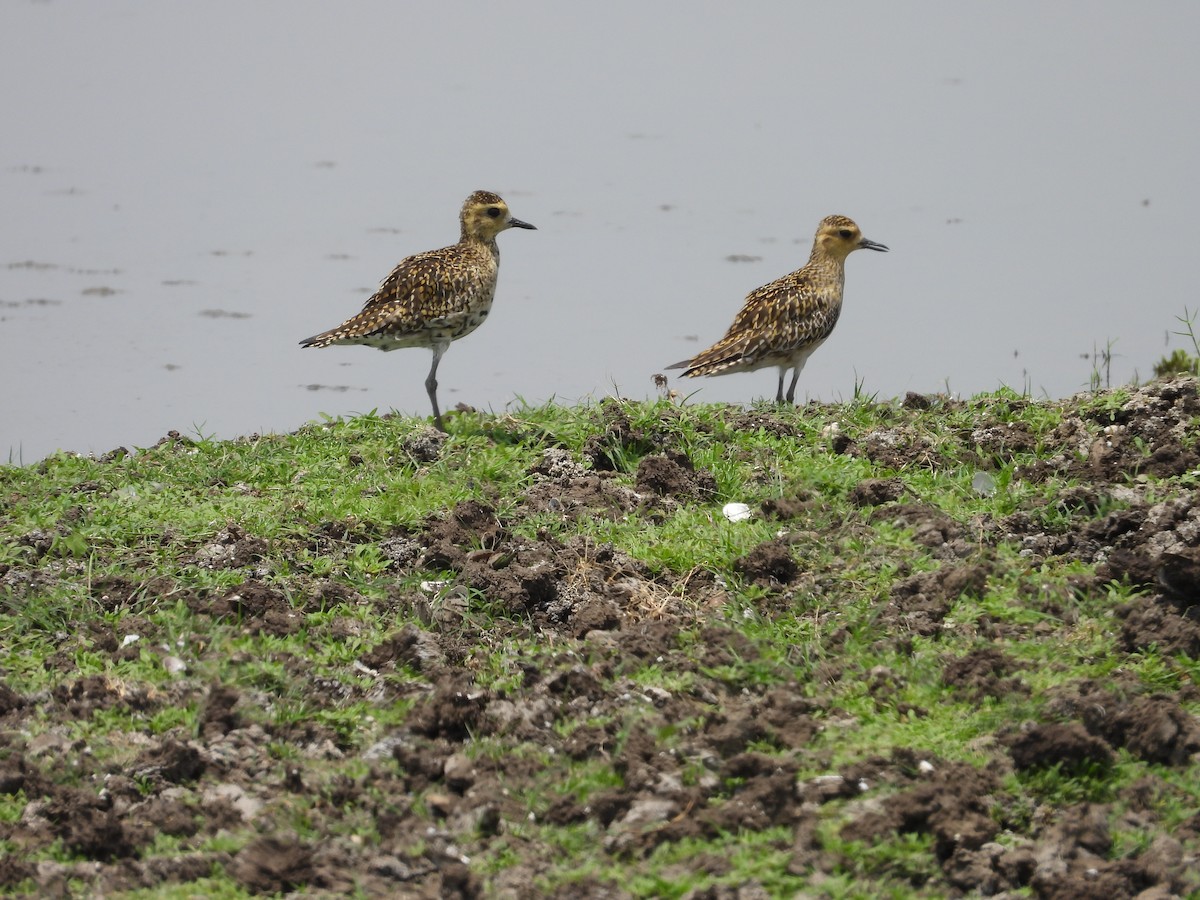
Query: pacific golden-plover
point(783, 322)
point(432, 299)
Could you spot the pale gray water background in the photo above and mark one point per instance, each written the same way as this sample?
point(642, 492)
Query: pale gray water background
point(190, 189)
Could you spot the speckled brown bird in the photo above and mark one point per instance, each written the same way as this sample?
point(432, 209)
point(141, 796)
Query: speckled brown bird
point(432, 299)
point(783, 322)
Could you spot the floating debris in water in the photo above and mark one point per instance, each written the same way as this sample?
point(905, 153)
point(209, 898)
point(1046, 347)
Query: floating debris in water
point(338, 388)
point(223, 314)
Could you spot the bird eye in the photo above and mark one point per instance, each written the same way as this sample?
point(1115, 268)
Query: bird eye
point(493, 212)
point(845, 233)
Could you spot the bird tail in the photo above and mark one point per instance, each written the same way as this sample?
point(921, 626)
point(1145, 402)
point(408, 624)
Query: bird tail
point(324, 339)
point(718, 358)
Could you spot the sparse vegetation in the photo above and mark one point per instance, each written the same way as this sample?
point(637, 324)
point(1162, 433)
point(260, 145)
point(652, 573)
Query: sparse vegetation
point(1180, 361)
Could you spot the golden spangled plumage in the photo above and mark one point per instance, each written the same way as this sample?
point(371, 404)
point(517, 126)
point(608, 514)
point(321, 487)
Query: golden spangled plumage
point(432, 299)
point(783, 322)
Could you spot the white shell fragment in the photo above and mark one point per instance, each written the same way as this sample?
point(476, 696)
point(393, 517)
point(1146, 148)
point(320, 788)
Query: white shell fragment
point(983, 484)
point(736, 512)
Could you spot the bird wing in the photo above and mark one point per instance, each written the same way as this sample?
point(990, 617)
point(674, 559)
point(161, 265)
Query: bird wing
point(426, 286)
point(438, 287)
point(774, 320)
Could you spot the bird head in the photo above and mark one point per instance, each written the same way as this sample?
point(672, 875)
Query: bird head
point(485, 215)
point(838, 236)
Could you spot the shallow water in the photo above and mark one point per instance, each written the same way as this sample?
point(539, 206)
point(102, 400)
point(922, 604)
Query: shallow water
point(189, 190)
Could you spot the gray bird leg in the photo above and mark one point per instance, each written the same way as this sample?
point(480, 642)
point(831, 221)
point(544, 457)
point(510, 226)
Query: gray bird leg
point(791, 394)
point(431, 385)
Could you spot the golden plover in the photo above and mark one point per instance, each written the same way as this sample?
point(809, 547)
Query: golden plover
point(432, 299)
point(783, 322)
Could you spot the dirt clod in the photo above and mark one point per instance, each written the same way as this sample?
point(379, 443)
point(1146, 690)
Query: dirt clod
point(1069, 746)
point(769, 564)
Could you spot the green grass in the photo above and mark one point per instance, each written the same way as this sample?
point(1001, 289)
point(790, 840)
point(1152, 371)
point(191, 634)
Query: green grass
point(94, 550)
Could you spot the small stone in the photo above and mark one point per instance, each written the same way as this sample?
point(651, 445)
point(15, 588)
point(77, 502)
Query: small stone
point(459, 772)
point(650, 810)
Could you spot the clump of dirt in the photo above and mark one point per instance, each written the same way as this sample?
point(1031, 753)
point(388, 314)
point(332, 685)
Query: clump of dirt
point(895, 448)
point(951, 801)
point(920, 603)
point(1158, 548)
point(274, 864)
point(930, 526)
point(410, 646)
point(567, 488)
point(1147, 622)
point(577, 587)
point(1156, 729)
point(423, 446)
point(913, 400)
point(876, 491)
point(673, 475)
point(170, 762)
point(1069, 746)
point(258, 608)
point(617, 440)
point(1071, 860)
point(1003, 442)
point(88, 826)
point(454, 711)
point(219, 714)
point(986, 672)
point(232, 548)
point(787, 508)
point(10, 700)
point(768, 565)
point(1148, 433)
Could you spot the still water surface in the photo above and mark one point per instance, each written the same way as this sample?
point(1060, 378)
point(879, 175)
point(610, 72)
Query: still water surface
point(190, 189)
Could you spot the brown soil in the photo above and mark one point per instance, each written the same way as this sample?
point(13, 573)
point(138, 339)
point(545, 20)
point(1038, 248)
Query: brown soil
point(736, 766)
